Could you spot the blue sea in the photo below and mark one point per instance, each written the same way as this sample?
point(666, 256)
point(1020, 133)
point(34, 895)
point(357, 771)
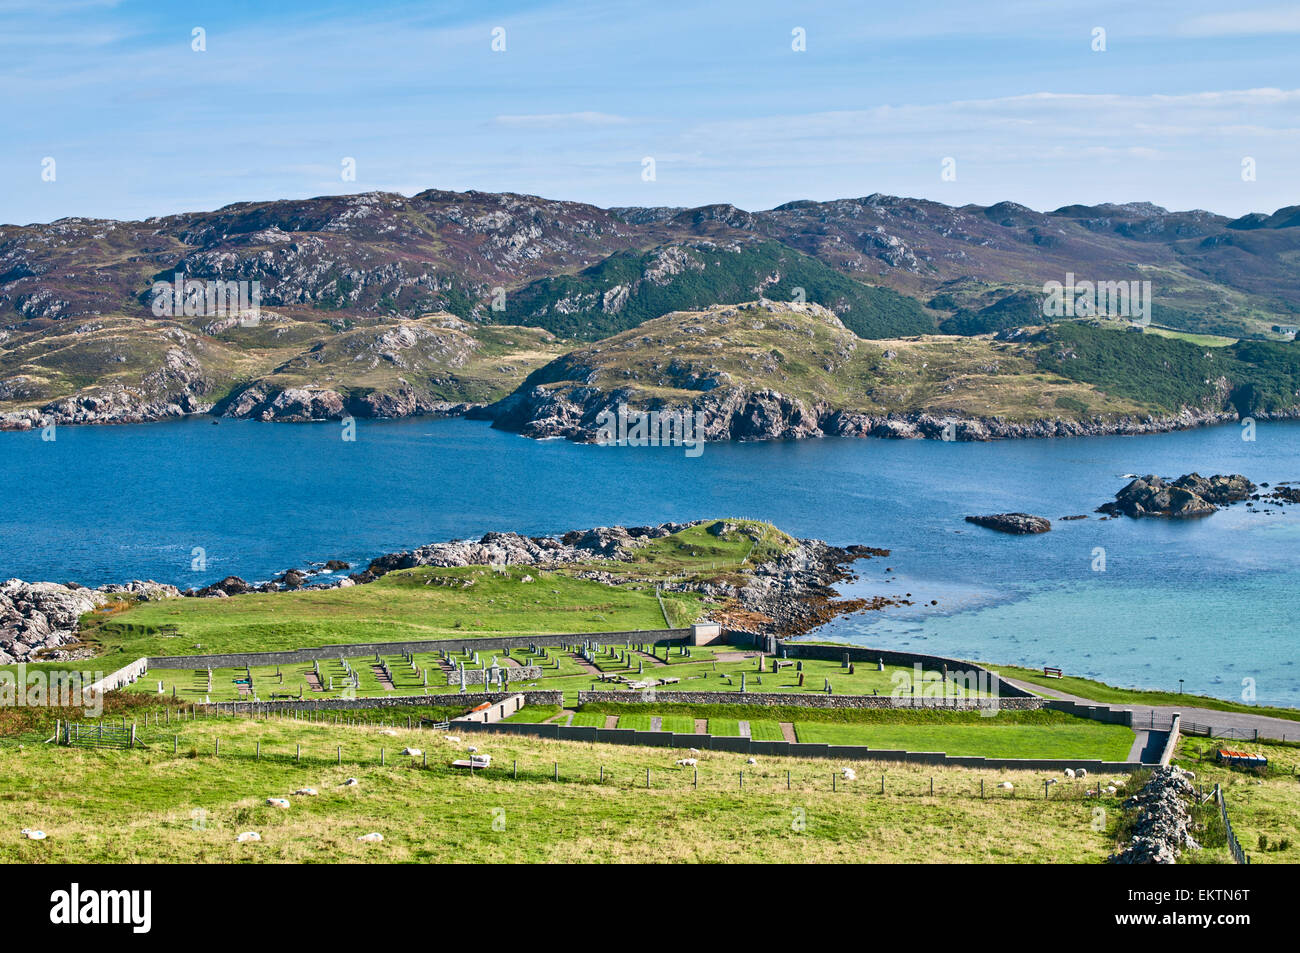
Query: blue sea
point(1211, 602)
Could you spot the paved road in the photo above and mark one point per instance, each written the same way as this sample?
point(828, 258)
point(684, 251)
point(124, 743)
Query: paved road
point(1240, 722)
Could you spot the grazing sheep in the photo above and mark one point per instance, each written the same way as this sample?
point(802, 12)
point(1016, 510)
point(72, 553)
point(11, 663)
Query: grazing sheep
point(305, 792)
point(279, 802)
point(451, 738)
point(33, 834)
point(1069, 772)
point(371, 838)
point(388, 731)
point(688, 762)
point(1006, 785)
point(849, 774)
point(752, 761)
point(247, 836)
point(1082, 772)
point(413, 752)
point(472, 750)
point(349, 783)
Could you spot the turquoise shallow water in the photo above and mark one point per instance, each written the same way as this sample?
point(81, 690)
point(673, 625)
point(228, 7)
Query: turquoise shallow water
point(1212, 601)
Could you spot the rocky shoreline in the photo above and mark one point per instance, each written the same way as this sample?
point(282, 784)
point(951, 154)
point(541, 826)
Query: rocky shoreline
point(730, 414)
point(787, 596)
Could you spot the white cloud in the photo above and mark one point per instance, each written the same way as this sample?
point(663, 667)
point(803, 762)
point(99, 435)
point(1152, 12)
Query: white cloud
point(1279, 20)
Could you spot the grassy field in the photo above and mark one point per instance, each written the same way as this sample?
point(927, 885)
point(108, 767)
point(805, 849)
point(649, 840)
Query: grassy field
point(1101, 692)
point(148, 805)
point(991, 738)
point(421, 603)
point(1260, 802)
point(1009, 734)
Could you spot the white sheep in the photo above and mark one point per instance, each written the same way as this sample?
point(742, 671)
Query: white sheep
point(849, 774)
point(371, 838)
point(688, 762)
point(305, 792)
point(279, 802)
point(247, 836)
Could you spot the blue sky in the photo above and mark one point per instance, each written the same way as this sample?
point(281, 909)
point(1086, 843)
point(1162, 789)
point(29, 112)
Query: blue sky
point(141, 124)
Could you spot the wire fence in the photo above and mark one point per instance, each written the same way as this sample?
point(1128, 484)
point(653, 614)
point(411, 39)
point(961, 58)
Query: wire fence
point(1234, 846)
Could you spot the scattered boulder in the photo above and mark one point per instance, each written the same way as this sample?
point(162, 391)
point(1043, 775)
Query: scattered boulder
point(1019, 524)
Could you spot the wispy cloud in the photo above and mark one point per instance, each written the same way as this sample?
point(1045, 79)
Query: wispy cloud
point(559, 120)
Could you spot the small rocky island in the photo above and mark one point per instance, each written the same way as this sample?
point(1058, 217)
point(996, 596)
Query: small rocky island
point(1188, 496)
point(1018, 524)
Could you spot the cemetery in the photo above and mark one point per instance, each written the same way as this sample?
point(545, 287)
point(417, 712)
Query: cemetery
point(568, 667)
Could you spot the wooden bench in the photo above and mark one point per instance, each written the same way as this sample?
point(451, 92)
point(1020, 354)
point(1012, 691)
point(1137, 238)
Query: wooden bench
point(1050, 672)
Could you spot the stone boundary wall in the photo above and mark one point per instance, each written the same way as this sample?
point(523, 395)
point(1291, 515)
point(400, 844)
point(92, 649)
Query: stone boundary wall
point(121, 678)
point(668, 739)
point(808, 700)
point(1102, 713)
point(469, 700)
point(1172, 741)
point(513, 673)
point(323, 652)
point(860, 654)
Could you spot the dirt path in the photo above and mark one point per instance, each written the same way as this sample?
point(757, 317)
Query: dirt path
point(787, 731)
point(384, 681)
point(313, 682)
point(563, 718)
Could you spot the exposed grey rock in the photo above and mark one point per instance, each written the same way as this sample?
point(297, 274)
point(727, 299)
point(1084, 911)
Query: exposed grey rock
point(1016, 523)
point(1189, 495)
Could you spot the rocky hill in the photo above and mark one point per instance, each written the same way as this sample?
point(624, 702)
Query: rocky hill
point(380, 304)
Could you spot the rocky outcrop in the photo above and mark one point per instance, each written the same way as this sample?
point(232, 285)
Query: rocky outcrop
point(37, 618)
point(1162, 828)
point(512, 549)
point(108, 405)
point(737, 413)
point(1019, 524)
point(1188, 496)
point(263, 401)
